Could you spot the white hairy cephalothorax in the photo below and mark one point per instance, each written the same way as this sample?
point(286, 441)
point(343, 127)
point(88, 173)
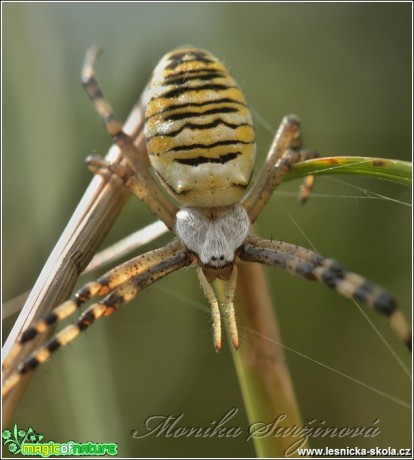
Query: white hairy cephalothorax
point(213, 234)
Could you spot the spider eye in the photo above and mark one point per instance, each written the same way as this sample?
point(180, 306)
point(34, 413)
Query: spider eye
point(218, 261)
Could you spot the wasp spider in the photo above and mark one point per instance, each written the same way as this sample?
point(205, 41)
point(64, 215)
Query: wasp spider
point(201, 145)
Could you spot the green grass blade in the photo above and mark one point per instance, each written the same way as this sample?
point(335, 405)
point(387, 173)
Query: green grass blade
point(265, 382)
point(381, 168)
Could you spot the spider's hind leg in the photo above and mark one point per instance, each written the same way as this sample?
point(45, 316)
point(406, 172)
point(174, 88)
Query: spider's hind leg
point(284, 152)
point(306, 189)
point(97, 165)
point(150, 193)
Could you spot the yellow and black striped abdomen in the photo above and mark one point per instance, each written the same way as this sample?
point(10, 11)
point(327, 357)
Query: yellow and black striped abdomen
point(199, 131)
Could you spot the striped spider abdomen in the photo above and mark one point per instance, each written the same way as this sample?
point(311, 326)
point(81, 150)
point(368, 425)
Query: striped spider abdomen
point(199, 131)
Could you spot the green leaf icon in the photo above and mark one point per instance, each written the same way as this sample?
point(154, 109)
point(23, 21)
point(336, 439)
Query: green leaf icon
point(6, 434)
point(13, 448)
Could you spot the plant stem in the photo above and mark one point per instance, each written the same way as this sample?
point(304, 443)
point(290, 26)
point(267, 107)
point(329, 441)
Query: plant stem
point(264, 378)
point(381, 168)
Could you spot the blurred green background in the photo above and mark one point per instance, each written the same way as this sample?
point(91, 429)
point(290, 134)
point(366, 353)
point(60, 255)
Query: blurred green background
point(345, 69)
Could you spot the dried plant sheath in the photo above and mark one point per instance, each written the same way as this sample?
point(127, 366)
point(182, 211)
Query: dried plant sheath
point(90, 223)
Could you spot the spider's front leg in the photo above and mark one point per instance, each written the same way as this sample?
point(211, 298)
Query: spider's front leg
point(121, 284)
point(312, 266)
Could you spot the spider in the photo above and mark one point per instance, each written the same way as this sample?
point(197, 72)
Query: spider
point(201, 147)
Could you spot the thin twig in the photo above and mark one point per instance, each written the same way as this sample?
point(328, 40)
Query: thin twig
point(87, 228)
